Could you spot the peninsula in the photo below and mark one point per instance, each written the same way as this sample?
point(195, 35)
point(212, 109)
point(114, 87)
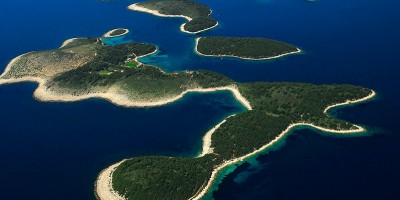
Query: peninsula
point(243, 48)
point(197, 14)
point(85, 68)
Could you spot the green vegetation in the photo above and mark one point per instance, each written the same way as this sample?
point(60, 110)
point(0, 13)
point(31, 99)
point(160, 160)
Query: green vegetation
point(275, 107)
point(119, 31)
point(138, 177)
point(108, 59)
point(199, 13)
point(80, 42)
point(131, 64)
point(105, 72)
point(247, 48)
point(111, 68)
point(198, 24)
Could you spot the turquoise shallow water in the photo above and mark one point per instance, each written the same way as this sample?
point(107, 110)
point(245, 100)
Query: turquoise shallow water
point(49, 153)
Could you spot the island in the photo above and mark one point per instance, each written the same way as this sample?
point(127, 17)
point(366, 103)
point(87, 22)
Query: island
point(116, 32)
point(197, 14)
point(84, 68)
point(243, 48)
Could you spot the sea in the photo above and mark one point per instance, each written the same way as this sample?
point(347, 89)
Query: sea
point(56, 150)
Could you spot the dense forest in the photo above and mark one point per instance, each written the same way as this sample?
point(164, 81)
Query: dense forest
point(275, 106)
point(248, 48)
point(199, 12)
point(200, 24)
point(157, 177)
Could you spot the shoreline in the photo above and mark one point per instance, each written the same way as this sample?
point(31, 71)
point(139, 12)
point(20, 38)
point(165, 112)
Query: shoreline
point(66, 42)
point(348, 102)
point(103, 185)
point(135, 7)
point(182, 28)
point(108, 34)
point(151, 53)
point(112, 95)
point(9, 65)
point(243, 58)
point(26, 79)
point(206, 149)
point(215, 172)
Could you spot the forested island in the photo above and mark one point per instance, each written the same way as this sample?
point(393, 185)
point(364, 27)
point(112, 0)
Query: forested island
point(197, 14)
point(85, 68)
point(116, 32)
point(243, 47)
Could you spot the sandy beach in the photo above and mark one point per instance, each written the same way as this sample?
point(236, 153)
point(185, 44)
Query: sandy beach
point(244, 58)
point(138, 8)
point(103, 186)
point(108, 34)
point(206, 149)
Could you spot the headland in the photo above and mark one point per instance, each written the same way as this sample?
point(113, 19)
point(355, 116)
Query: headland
point(84, 68)
point(197, 14)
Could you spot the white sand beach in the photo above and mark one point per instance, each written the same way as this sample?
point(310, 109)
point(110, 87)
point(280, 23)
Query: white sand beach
point(206, 149)
point(103, 186)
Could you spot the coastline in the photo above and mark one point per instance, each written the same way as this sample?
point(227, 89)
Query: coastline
point(244, 58)
point(103, 185)
point(66, 42)
point(9, 65)
point(108, 34)
point(182, 28)
point(135, 7)
point(151, 53)
point(215, 172)
point(206, 149)
point(112, 95)
point(348, 102)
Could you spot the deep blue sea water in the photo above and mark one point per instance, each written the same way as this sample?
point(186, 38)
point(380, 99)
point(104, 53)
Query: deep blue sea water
point(56, 150)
